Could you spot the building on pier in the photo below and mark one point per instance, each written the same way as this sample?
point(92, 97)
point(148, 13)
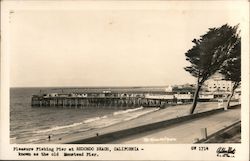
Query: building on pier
point(127, 97)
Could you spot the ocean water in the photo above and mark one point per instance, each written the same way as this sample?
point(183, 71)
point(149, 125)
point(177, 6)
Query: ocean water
point(30, 124)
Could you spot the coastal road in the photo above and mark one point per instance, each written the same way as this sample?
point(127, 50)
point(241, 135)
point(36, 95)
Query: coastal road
point(185, 132)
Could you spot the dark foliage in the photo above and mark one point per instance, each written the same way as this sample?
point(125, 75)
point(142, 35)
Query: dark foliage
point(209, 54)
point(231, 69)
point(232, 66)
point(210, 51)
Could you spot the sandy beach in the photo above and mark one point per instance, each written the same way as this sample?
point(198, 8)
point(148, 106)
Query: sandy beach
point(157, 116)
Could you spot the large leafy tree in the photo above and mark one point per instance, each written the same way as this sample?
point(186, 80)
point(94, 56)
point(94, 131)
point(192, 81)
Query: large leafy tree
point(232, 69)
point(209, 53)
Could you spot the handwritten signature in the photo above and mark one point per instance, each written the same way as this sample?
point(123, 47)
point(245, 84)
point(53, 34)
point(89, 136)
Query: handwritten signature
point(225, 152)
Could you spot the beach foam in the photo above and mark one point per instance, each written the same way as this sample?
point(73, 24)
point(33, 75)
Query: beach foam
point(59, 128)
point(55, 128)
point(140, 114)
point(127, 111)
point(95, 119)
point(33, 140)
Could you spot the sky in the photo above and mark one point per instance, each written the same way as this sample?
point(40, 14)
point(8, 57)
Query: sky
point(108, 47)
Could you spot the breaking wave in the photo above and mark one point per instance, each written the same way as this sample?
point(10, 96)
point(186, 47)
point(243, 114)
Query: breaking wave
point(55, 128)
point(95, 119)
point(59, 128)
point(140, 114)
point(127, 111)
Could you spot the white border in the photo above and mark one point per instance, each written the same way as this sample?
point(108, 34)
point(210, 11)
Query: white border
point(151, 152)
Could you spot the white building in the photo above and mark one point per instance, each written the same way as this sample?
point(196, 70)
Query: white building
point(206, 96)
point(186, 96)
point(216, 83)
point(150, 96)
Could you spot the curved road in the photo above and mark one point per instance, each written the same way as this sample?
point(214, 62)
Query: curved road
point(186, 132)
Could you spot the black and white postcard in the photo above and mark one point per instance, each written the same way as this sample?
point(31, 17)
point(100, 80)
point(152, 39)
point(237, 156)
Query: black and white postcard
point(124, 80)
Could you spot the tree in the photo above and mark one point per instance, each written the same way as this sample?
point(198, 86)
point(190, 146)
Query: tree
point(209, 53)
point(232, 69)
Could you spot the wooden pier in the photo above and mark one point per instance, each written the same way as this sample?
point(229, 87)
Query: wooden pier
point(97, 100)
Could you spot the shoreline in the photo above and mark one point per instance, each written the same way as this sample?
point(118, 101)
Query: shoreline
point(153, 117)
